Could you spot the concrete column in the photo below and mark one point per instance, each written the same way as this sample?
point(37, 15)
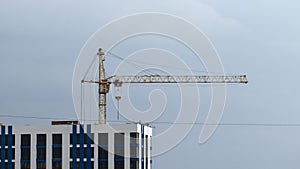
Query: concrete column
point(33, 150)
point(148, 151)
point(111, 150)
point(49, 151)
point(127, 150)
point(96, 141)
point(140, 147)
point(65, 149)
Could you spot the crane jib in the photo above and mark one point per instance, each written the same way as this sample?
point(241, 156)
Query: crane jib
point(179, 79)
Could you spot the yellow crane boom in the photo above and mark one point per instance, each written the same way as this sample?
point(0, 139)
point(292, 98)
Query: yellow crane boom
point(178, 79)
point(104, 82)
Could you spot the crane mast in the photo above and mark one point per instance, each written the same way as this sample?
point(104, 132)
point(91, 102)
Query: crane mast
point(103, 89)
point(104, 82)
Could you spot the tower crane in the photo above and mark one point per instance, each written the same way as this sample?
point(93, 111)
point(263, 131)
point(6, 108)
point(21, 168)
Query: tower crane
point(105, 82)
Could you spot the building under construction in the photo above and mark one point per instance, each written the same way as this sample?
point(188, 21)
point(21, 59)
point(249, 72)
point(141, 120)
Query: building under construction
point(72, 146)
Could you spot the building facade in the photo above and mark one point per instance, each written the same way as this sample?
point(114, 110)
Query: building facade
point(117, 146)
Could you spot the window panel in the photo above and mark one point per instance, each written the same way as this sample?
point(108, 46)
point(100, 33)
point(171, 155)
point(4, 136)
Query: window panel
point(25, 140)
point(57, 139)
point(57, 153)
point(25, 154)
point(102, 151)
point(41, 139)
point(6, 140)
point(119, 150)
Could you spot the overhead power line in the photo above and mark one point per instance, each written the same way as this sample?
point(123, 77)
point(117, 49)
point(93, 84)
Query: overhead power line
point(236, 124)
point(137, 62)
point(168, 123)
point(134, 64)
point(30, 117)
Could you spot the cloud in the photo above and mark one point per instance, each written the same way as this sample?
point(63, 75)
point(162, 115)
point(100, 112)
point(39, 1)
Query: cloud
point(198, 13)
point(57, 18)
point(203, 16)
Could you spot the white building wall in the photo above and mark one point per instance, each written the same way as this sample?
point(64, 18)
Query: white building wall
point(127, 149)
point(17, 149)
point(48, 150)
point(33, 150)
point(111, 149)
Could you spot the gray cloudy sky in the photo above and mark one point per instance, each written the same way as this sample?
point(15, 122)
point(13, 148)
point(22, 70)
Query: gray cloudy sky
point(40, 41)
